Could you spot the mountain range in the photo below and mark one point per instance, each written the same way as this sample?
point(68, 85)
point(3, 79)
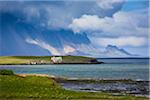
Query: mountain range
point(111, 51)
point(114, 51)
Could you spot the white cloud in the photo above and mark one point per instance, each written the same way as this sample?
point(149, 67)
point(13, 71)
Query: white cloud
point(44, 45)
point(65, 50)
point(108, 4)
point(85, 23)
point(68, 49)
point(121, 41)
point(124, 29)
point(121, 24)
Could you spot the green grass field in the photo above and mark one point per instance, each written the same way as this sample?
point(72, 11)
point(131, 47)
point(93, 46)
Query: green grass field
point(13, 87)
point(14, 60)
point(21, 59)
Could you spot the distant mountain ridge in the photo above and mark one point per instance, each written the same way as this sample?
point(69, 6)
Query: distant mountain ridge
point(114, 51)
point(111, 51)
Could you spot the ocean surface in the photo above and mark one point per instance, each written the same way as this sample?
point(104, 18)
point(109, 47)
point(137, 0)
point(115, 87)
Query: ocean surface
point(136, 69)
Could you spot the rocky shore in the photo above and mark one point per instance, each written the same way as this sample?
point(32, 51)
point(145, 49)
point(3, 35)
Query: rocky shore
point(115, 87)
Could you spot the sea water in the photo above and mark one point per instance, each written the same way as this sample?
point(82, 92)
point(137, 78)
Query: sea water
point(136, 69)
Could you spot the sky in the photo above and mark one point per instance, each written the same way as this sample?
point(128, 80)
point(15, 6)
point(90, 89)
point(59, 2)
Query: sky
point(73, 27)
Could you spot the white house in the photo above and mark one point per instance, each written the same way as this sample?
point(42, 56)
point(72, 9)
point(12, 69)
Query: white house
point(56, 59)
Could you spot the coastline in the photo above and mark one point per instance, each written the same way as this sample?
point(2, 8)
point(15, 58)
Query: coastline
point(113, 86)
point(41, 75)
point(81, 79)
point(56, 63)
point(42, 87)
point(47, 60)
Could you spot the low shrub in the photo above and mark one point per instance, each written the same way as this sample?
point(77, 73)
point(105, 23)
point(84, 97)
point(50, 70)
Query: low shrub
point(6, 72)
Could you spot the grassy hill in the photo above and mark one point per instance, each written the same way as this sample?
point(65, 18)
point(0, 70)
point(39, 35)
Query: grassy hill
point(14, 60)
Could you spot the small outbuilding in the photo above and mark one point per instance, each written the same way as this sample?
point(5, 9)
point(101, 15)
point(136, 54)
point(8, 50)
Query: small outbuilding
point(56, 59)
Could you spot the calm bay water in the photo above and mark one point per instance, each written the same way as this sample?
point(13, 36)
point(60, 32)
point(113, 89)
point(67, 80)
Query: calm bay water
point(137, 69)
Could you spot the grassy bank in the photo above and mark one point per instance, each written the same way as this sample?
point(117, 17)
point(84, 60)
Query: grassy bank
point(42, 88)
point(15, 60)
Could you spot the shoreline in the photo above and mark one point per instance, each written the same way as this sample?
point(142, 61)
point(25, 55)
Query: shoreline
point(46, 60)
point(113, 86)
point(43, 88)
point(56, 63)
point(82, 79)
point(41, 75)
